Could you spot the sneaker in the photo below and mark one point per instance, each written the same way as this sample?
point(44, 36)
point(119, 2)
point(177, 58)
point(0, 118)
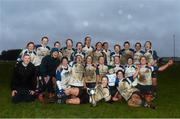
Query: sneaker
point(52, 99)
point(152, 106)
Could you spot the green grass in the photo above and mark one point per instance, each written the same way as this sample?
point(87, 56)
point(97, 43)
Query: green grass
point(168, 101)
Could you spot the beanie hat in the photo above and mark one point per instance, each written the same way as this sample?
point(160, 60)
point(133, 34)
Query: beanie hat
point(54, 50)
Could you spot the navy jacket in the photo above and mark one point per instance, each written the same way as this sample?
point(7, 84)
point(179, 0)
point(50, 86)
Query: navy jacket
point(48, 66)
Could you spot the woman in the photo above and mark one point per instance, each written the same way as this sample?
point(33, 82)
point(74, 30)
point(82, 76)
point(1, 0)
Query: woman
point(130, 93)
point(113, 83)
point(116, 52)
point(89, 73)
point(101, 69)
point(137, 53)
point(68, 50)
point(76, 96)
point(152, 58)
point(117, 64)
point(130, 69)
point(23, 81)
point(77, 70)
point(42, 50)
point(62, 76)
point(107, 52)
point(47, 81)
point(127, 52)
point(57, 45)
point(78, 51)
point(88, 49)
point(145, 76)
point(97, 53)
point(30, 50)
point(151, 55)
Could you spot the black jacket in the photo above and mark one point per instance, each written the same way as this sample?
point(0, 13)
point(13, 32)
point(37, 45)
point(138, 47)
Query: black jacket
point(48, 66)
point(23, 77)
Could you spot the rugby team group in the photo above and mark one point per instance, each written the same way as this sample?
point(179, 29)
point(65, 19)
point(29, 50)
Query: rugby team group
point(87, 74)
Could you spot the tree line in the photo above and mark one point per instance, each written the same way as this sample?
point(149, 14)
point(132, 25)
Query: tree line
point(10, 55)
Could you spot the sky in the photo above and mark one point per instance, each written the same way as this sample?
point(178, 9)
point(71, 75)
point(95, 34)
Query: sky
point(114, 21)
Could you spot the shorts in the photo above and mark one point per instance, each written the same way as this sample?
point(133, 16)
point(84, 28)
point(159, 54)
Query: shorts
point(83, 96)
point(145, 89)
point(112, 90)
point(91, 85)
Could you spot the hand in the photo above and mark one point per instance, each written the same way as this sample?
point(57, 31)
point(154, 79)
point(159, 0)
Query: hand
point(154, 62)
point(149, 64)
point(170, 62)
point(13, 93)
point(46, 79)
point(138, 67)
point(31, 92)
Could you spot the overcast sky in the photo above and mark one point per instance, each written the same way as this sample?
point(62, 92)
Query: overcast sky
point(114, 21)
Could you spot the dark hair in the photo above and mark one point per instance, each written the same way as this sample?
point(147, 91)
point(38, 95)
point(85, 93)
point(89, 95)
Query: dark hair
point(87, 38)
point(87, 57)
point(126, 42)
point(120, 71)
point(104, 43)
point(69, 40)
point(142, 57)
point(29, 44)
point(105, 77)
point(148, 42)
point(78, 56)
point(56, 43)
point(64, 58)
point(117, 45)
point(138, 43)
point(79, 43)
point(45, 37)
point(98, 43)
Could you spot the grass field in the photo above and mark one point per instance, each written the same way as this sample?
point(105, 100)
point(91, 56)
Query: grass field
point(168, 101)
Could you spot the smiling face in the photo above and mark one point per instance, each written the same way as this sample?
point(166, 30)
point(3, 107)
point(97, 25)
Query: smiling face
point(117, 49)
point(57, 45)
point(44, 41)
point(147, 45)
point(105, 46)
point(99, 46)
point(88, 41)
point(55, 54)
point(143, 61)
point(79, 47)
point(130, 61)
point(30, 47)
point(89, 60)
point(138, 46)
point(26, 59)
point(119, 75)
point(116, 60)
point(78, 59)
point(126, 46)
point(104, 81)
point(69, 43)
point(64, 62)
point(101, 60)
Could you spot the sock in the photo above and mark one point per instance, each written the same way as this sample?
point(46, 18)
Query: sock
point(154, 89)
